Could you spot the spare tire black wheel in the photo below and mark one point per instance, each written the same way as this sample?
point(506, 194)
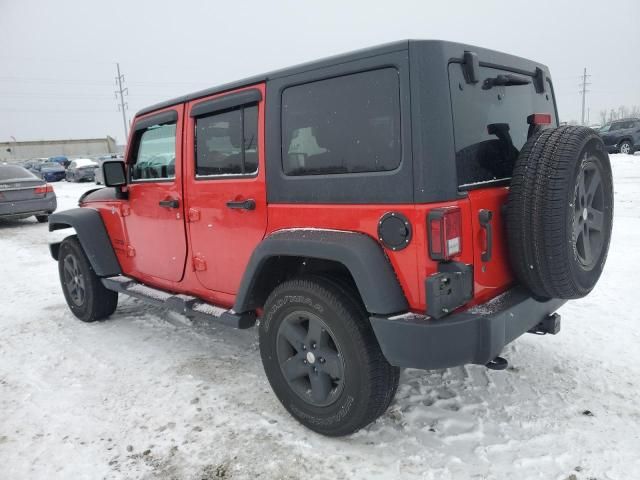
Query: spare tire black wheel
point(560, 212)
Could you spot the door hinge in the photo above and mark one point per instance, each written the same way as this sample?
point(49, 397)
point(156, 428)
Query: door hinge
point(194, 215)
point(125, 210)
point(199, 265)
point(131, 252)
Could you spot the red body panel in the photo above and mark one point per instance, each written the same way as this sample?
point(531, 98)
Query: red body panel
point(203, 247)
point(493, 277)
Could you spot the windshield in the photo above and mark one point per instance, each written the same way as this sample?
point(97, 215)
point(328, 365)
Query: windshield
point(14, 172)
point(605, 128)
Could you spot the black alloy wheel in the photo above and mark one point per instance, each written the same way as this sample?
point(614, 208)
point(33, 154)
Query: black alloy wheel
point(310, 359)
point(588, 214)
point(74, 279)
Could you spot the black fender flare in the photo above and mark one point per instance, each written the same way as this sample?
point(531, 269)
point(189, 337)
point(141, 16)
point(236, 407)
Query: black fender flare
point(92, 235)
point(359, 253)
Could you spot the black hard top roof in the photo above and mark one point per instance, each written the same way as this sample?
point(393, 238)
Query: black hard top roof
point(450, 49)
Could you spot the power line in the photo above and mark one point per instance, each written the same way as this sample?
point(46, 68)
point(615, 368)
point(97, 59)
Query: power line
point(584, 90)
point(122, 106)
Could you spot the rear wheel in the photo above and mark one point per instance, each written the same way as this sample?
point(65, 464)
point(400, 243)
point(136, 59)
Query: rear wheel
point(322, 358)
point(87, 298)
point(625, 147)
point(42, 218)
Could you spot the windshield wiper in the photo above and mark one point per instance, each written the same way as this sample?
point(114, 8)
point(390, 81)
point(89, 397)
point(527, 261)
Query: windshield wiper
point(504, 81)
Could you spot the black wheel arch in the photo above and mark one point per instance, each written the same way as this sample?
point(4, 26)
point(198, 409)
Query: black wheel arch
point(92, 235)
point(354, 255)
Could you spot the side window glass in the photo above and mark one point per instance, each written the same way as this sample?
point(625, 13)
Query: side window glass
point(341, 125)
point(227, 142)
point(156, 154)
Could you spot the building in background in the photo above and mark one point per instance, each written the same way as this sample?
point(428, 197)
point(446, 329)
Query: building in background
point(16, 151)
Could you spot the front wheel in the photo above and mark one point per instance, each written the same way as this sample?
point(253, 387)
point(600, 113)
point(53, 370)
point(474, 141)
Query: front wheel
point(87, 298)
point(322, 358)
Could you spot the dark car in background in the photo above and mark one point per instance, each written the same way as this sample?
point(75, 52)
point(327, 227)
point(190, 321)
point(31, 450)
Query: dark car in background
point(60, 159)
point(49, 171)
point(22, 194)
point(81, 169)
point(621, 136)
point(52, 171)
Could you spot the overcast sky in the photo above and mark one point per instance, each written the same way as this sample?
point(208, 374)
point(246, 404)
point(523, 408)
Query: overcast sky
point(58, 57)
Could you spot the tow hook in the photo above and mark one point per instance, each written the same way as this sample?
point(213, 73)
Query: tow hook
point(550, 324)
point(497, 363)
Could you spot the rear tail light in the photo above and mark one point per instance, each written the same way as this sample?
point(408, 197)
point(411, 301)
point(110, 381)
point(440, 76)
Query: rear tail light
point(539, 119)
point(445, 233)
point(43, 189)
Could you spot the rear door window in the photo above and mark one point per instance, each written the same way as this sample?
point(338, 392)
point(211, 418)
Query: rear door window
point(347, 124)
point(490, 123)
point(227, 143)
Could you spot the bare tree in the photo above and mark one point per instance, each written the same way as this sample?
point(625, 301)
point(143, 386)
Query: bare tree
point(622, 111)
point(603, 117)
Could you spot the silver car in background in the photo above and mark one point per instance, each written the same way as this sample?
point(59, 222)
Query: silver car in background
point(22, 194)
point(81, 169)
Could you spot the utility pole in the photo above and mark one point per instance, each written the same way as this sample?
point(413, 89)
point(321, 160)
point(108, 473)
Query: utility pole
point(122, 105)
point(584, 90)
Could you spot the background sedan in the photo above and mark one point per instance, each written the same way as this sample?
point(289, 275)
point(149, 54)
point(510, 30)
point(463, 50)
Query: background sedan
point(22, 194)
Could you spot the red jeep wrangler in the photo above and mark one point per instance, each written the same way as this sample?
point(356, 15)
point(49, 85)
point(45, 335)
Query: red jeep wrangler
point(409, 205)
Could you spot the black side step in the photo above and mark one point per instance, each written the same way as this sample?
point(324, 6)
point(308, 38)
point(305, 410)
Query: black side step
point(189, 306)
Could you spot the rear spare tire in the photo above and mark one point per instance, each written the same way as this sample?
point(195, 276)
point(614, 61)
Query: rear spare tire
point(560, 212)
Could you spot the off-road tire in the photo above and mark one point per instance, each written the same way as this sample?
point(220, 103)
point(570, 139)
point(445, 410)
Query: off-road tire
point(42, 218)
point(547, 225)
point(96, 302)
point(626, 147)
point(369, 382)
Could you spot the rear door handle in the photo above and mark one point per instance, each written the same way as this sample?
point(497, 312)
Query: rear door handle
point(249, 204)
point(485, 216)
point(170, 203)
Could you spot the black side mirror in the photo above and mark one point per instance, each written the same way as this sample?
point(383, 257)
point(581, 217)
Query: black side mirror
point(114, 174)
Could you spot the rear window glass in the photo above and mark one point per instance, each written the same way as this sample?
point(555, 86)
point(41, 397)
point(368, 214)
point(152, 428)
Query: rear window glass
point(14, 172)
point(347, 124)
point(490, 124)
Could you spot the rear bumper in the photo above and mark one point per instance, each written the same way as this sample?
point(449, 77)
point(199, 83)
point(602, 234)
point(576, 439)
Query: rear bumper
point(28, 207)
point(477, 335)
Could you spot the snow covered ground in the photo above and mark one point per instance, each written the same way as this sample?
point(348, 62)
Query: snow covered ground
point(143, 395)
